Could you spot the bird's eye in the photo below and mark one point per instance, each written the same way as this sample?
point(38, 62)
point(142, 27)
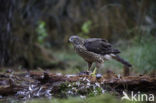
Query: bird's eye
point(71, 39)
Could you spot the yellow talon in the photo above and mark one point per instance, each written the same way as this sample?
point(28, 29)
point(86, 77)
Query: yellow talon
point(94, 72)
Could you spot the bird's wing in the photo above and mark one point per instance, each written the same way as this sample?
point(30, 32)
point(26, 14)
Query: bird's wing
point(99, 46)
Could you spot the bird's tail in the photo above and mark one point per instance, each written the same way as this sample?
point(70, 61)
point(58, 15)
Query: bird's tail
point(118, 58)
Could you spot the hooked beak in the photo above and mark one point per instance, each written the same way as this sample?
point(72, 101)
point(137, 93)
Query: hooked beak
point(69, 41)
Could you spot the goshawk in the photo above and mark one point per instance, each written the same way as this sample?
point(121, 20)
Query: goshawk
point(96, 50)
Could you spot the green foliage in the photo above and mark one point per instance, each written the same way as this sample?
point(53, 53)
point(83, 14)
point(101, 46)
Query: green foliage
point(85, 29)
point(96, 91)
point(41, 31)
point(143, 54)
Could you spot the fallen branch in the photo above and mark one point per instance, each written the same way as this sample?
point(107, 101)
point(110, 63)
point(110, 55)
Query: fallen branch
point(29, 85)
point(140, 83)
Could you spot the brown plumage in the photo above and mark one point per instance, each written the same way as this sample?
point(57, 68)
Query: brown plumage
point(95, 50)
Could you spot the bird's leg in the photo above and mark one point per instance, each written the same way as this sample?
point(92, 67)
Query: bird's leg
point(88, 70)
point(89, 66)
point(99, 66)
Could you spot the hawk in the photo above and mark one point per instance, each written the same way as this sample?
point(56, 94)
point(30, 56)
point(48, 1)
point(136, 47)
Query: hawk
point(96, 50)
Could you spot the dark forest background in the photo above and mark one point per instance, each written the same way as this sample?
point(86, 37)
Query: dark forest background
point(34, 33)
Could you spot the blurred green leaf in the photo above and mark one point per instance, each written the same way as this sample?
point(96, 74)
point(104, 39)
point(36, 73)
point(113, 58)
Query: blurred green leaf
point(41, 31)
point(86, 27)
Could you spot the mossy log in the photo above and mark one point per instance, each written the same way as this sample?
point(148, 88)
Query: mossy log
point(42, 84)
point(143, 83)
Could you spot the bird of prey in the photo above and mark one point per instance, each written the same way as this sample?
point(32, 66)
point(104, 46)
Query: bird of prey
point(96, 50)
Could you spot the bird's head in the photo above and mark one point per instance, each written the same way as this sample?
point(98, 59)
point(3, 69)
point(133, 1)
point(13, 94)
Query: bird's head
point(76, 40)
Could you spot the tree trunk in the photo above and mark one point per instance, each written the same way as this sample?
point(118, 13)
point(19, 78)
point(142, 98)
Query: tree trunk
point(6, 11)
